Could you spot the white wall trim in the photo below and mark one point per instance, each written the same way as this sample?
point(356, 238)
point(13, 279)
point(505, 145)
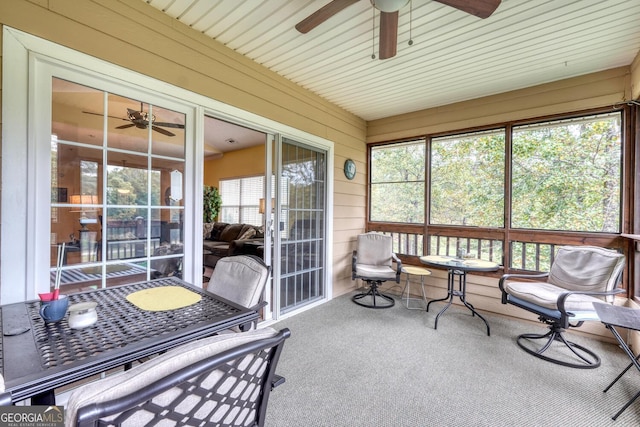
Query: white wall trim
point(15, 84)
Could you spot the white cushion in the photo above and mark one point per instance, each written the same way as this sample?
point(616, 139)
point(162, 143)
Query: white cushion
point(240, 279)
point(546, 295)
point(375, 271)
point(374, 249)
point(586, 269)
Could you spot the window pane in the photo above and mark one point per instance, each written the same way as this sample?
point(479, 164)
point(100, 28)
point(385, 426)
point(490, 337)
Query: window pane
point(567, 175)
point(167, 182)
point(127, 181)
point(128, 124)
point(168, 138)
point(398, 202)
point(241, 200)
point(74, 108)
point(397, 183)
point(126, 232)
point(467, 179)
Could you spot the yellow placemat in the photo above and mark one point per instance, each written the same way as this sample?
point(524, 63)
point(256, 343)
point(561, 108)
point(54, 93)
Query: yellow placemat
point(163, 298)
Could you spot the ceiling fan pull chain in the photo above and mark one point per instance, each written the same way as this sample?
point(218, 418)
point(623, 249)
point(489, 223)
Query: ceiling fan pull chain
point(373, 33)
point(410, 43)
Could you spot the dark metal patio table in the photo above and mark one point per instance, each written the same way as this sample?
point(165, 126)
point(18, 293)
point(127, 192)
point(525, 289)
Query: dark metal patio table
point(458, 267)
point(51, 355)
point(613, 316)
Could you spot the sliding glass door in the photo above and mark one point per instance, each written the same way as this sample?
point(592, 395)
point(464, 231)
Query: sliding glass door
point(302, 197)
point(104, 164)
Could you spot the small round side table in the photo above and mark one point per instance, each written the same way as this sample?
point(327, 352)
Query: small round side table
point(411, 270)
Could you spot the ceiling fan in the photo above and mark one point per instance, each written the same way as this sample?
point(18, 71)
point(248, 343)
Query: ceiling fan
point(141, 120)
point(389, 17)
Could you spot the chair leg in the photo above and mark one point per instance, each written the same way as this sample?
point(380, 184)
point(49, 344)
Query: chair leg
point(379, 300)
point(590, 360)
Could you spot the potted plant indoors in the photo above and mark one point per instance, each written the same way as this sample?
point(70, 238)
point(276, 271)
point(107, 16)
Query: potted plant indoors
point(211, 203)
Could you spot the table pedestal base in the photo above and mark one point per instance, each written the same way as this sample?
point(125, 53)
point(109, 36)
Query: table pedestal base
point(460, 293)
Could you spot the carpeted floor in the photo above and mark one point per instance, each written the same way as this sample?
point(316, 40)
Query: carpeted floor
point(346, 365)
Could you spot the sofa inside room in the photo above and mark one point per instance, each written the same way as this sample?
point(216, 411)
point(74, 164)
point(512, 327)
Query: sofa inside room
point(222, 239)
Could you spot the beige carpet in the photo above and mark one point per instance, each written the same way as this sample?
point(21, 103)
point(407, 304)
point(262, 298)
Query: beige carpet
point(346, 365)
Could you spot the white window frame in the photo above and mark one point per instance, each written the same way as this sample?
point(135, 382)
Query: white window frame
point(33, 178)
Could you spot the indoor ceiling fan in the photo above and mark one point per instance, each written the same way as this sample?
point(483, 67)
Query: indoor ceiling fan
point(141, 120)
point(389, 17)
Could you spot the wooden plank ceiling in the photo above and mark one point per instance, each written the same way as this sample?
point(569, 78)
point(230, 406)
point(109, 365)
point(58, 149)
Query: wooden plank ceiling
point(454, 56)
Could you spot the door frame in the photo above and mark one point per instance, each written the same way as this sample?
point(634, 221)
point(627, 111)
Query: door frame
point(276, 161)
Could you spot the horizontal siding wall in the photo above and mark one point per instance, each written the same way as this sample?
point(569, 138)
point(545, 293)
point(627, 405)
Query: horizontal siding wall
point(136, 36)
point(605, 88)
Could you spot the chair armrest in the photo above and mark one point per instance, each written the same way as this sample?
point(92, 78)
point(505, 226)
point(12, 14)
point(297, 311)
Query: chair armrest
point(563, 298)
point(277, 380)
point(517, 276)
point(254, 323)
point(259, 305)
point(398, 266)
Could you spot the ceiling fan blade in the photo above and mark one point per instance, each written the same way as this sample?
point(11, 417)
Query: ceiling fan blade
point(480, 8)
point(388, 34)
point(169, 125)
point(102, 115)
point(163, 131)
point(125, 126)
point(322, 14)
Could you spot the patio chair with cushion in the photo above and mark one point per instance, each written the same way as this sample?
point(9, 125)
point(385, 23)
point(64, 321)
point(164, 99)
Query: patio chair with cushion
point(223, 380)
point(579, 276)
point(371, 262)
point(240, 279)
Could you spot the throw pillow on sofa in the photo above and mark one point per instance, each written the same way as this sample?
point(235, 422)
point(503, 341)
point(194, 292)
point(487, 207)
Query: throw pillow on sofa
point(231, 232)
point(216, 231)
point(247, 234)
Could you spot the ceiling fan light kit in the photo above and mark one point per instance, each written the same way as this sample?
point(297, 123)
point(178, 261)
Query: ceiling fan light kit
point(389, 18)
point(389, 5)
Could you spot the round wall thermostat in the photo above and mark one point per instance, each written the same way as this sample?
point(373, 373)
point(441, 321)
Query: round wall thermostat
point(349, 169)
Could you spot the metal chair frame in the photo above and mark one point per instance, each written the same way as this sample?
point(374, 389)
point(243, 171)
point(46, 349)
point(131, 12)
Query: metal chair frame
point(558, 322)
point(185, 382)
